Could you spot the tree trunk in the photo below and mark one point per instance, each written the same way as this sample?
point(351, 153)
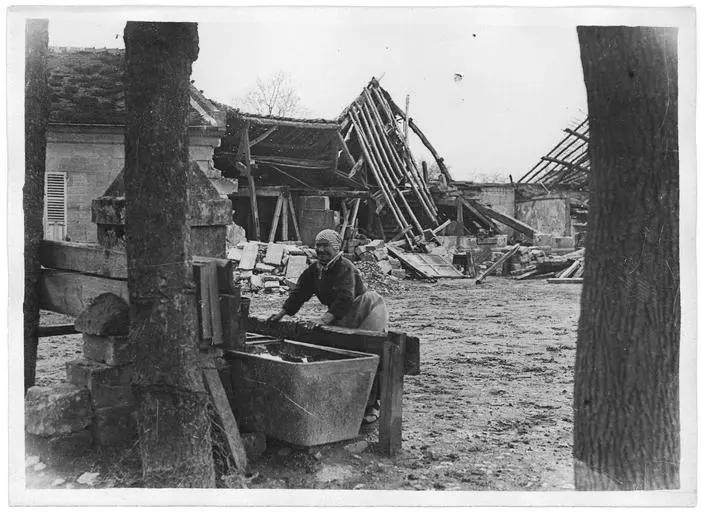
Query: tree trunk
point(626, 397)
point(36, 118)
point(173, 425)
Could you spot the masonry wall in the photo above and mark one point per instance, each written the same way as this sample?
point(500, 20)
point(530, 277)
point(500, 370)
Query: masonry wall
point(549, 215)
point(92, 157)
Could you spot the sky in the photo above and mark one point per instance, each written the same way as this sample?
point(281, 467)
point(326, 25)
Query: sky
point(521, 81)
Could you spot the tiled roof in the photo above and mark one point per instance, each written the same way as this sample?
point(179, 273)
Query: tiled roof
point(87, 87)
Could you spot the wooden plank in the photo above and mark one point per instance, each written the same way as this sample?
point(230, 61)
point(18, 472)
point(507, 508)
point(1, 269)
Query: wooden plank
point(291, 176)
point(293, 214)
point(356, 167)
point(46, 331)
point(400, 256)
point(262, 136)
point(497, 263)
point(391, 393)
point(225, 272)
point(199, 275)
point(215, 308)
point(276, 219)
point(233, 333)
point(346, 151)
point(575, 280)
point(285, 219)
point(271, 121)
point(270, 191)
point(371, 342)
point(507, 220)
point(70, 293)
point(569, 270)
point(226, 416)
point(474, 211)
point(527, 275)
point(84, 258)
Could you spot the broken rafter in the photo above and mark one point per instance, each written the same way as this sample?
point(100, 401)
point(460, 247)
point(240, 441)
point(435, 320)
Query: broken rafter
point(565, 164)
point(262, 137)
point(577, 134)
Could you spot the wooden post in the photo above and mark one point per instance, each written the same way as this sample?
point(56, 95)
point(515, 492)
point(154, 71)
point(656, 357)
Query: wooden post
point(214, 307)
point(285, 218)
point(276, 219)
point(459, 212)
point(36, 119)
point(497, 263)
point(245, 154)
point(293, 214)
point(391, 392)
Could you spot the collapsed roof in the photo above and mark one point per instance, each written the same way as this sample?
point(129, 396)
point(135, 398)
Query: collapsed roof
point(567, 164)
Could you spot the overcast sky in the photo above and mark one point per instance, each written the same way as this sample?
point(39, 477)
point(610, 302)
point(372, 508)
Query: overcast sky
point(521, 86)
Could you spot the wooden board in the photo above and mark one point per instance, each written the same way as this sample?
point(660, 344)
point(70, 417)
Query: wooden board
point(84, 258)
point(371, 342)
point(226, 417)
point(69, 293)
point(514, 224)
point(570, 280)
point(429, 265)
point(46, 331)
point(392, 391)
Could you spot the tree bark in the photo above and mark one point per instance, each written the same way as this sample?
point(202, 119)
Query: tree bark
point(173, 425)
point(626, 400)
point(36, 118)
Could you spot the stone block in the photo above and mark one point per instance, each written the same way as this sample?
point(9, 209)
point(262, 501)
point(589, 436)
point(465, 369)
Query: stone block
point(254, 444)
point(385, 266)
point(313, 203)
point(114, 426)
point(256, 282)
point(56, 410)
point(271, 286)
point(111, 350)
point(274, 254)
point(263, 267)
point(398, 273)
point(501, 240)
point(394, 262)
point(542, 239)
point(381, 253)
point(108, 385)
point(295, 266)
point(55, 450)
point(367, 256)
point(563, 242)
point(360, 249)
point(107, 315)
point(375, 244)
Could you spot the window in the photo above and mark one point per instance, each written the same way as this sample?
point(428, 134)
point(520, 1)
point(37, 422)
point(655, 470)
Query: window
point(55, 206)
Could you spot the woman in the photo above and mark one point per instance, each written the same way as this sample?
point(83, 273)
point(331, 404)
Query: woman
point(337, 283)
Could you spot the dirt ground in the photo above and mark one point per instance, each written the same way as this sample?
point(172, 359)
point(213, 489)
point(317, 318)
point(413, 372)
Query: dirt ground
point(491, 409)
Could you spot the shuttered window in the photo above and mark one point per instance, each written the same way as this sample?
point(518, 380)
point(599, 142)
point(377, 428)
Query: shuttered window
point(55, 197)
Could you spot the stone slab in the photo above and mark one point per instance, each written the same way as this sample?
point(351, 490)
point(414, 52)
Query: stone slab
point(111, 350)
point(108, 385)
point(106, 315)
point(56, 410)
point(249, 256)
point(295, 266)
point(274, 254)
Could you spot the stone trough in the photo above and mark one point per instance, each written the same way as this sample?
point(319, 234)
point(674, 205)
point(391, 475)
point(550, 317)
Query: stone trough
point(300, 393)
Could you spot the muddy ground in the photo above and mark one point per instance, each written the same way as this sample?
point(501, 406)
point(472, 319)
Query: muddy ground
point(491, 409)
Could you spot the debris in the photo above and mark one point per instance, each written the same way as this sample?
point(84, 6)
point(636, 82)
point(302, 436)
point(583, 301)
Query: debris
point(88, 478)
point(377, 280)
point(39, 466)
point(357, 447)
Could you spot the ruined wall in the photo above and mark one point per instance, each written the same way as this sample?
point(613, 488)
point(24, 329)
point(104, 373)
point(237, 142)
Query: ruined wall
point(91, 157)
point(549, 215)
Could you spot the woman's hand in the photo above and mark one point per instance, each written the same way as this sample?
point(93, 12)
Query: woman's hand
point(275, 317)
point(326, 318)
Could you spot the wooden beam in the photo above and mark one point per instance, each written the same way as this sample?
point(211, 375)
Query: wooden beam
point(276, 219)
point(85, 258)
point(356, 167)
point(271, 121)
point(46, 331)
point(269, 191)
point(346, 151)
point(226, 416)
point(285, 218)
point(391, 392)
point(507, 220)
point(566, 280)
point(303, 163)
point(493, 267)
point(215, 307)
point(70, 293)
point(301, 182)
point(262, 137)
point(371, 342)
point(474, 211)
point(293, 214)
point(565, 163)
point(577, 134)
point(245, 152)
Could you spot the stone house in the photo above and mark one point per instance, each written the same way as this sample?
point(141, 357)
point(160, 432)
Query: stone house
point(85, 137)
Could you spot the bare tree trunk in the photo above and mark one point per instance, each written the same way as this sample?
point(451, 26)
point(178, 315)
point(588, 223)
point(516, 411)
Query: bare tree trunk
point(626, 428)
point(36, 118)
point(174, 435)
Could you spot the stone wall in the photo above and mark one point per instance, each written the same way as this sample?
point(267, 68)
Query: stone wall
point(549, 215)
point(91, 157)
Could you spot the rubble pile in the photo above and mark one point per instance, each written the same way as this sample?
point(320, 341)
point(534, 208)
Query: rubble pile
point(276, 267)
point(538, 262)
point(377, 280)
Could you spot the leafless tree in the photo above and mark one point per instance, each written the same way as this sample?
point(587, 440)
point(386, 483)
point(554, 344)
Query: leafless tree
point(273, 96)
